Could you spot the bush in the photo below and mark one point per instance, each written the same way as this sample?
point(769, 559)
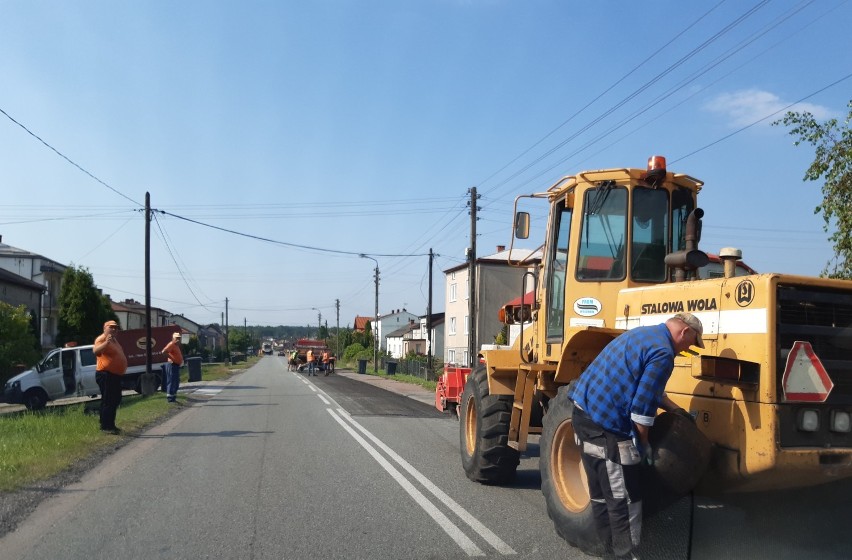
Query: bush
point(17, 347)
point(353, 352)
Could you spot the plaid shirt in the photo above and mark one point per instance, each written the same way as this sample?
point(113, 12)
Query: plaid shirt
point(625, 383)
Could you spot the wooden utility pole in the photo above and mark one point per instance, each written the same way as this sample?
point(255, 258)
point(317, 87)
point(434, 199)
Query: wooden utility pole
point(337, 330)
point(148, 387)
point(429, 318)
point(471, 303)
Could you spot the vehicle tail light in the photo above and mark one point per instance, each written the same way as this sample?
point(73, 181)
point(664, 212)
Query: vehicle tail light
point(808, 420)
point(840, 421)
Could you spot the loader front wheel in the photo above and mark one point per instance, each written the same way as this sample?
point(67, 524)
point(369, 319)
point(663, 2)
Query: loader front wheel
point(563, 478)
point(484, 432)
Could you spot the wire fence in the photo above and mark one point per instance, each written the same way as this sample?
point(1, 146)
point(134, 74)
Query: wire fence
point(417, 367)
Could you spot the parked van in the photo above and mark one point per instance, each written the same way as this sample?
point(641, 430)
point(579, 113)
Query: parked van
point(70, 371)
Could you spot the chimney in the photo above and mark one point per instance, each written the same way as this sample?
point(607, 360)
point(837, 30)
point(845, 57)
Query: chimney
point(501, 248)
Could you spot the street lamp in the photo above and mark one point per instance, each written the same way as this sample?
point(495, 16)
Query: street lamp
point(376, 318)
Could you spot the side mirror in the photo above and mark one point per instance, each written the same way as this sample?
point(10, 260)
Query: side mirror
point(522, 225)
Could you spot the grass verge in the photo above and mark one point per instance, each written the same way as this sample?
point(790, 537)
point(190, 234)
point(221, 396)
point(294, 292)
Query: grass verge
point(35, 446)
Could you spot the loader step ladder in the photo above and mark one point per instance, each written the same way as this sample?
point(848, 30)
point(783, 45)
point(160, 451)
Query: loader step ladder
point(519, 426)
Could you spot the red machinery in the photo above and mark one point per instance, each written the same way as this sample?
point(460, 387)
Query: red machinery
point(450, 387)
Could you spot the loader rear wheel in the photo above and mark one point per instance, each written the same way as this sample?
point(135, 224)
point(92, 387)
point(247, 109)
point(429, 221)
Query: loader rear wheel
point(484, 432)
point(563, 478)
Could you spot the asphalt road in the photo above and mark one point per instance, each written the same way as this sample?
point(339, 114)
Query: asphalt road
point(278, 465)
point(275, 466)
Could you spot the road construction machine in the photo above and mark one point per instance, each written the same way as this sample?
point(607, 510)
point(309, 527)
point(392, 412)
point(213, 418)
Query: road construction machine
point(771, 391)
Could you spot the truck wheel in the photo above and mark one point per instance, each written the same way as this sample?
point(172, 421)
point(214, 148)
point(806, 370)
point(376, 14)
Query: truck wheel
point(484, 432)
point(563, 478)
point(35, 399)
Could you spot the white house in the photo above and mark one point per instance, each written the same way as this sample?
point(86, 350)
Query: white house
point(391, 322)
point(46, 273)
point(496, 283)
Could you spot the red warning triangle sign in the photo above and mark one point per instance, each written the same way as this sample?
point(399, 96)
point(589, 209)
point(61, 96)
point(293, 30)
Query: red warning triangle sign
point(805, 378)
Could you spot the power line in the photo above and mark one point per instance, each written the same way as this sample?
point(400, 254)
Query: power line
point(69, 160)
point(286, 244)
point(636, 92)
point(746, 127)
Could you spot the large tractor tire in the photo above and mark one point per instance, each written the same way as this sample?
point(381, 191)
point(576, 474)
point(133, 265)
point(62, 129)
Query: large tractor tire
point(563, 478)
point(484, 432)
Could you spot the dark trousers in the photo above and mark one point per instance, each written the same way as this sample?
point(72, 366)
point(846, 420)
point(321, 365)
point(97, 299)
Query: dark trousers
point(110, 386)
point(612, 466)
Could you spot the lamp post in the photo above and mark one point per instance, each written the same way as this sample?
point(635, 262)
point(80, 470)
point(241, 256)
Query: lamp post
point(376, 318)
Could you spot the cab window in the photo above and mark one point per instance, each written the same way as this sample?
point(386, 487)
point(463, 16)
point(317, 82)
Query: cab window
point(87, 357)
point(601, 255)
point(557, 266)
point(650, 235)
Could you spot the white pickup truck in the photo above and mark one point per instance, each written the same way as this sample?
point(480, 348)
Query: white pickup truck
point(70, 371)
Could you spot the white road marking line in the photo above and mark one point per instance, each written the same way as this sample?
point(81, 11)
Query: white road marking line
point(463, 514)
point(324, 400)
point(452, 531)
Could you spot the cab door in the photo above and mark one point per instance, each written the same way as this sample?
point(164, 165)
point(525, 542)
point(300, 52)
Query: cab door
point(50, 376)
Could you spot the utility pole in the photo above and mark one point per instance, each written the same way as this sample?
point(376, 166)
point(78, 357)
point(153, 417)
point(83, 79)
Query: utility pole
point(146, 389)
point(227, 342)
point(376, 318)
point(337, 329)
point(319, 321)
point(429, 319)
point(471, 303)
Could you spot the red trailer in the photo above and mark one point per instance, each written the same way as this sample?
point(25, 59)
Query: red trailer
point(449, 389)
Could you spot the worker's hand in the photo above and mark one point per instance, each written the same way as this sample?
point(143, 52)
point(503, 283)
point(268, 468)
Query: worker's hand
point(646, 452)
point(684, 413)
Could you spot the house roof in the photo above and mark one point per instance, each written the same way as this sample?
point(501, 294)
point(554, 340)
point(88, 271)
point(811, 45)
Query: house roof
point(502, 257)
point(9, 251)
point(12, 278)
point(404, 330)
point(361, 322)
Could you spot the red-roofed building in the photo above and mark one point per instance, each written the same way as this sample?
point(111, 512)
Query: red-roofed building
point(361, 323)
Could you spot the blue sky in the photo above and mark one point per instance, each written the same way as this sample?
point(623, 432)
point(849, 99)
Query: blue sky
point(359, 126)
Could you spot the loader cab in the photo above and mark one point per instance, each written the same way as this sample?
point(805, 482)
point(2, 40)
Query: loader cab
point(609, 230)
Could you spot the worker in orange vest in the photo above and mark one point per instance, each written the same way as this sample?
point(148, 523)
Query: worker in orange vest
point(325, 360)
point(311, 362)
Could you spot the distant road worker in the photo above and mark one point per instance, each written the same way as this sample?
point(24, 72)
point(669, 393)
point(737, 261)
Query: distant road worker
point(311, 362)
point(325, 360)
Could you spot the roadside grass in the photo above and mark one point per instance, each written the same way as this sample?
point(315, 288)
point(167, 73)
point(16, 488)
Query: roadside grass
point(35, 446)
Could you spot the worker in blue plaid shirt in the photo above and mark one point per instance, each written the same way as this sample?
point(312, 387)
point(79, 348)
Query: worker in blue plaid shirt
point(615, 401)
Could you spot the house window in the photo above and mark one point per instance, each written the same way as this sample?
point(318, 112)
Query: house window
point(451, 356)
point(467, 324)
point(452, 325)
point(466, 359)
point(453, 292)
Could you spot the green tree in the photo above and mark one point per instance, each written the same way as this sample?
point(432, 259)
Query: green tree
point(16, 341)
point(82, 308)
point(833, 164)
point(238, 340)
